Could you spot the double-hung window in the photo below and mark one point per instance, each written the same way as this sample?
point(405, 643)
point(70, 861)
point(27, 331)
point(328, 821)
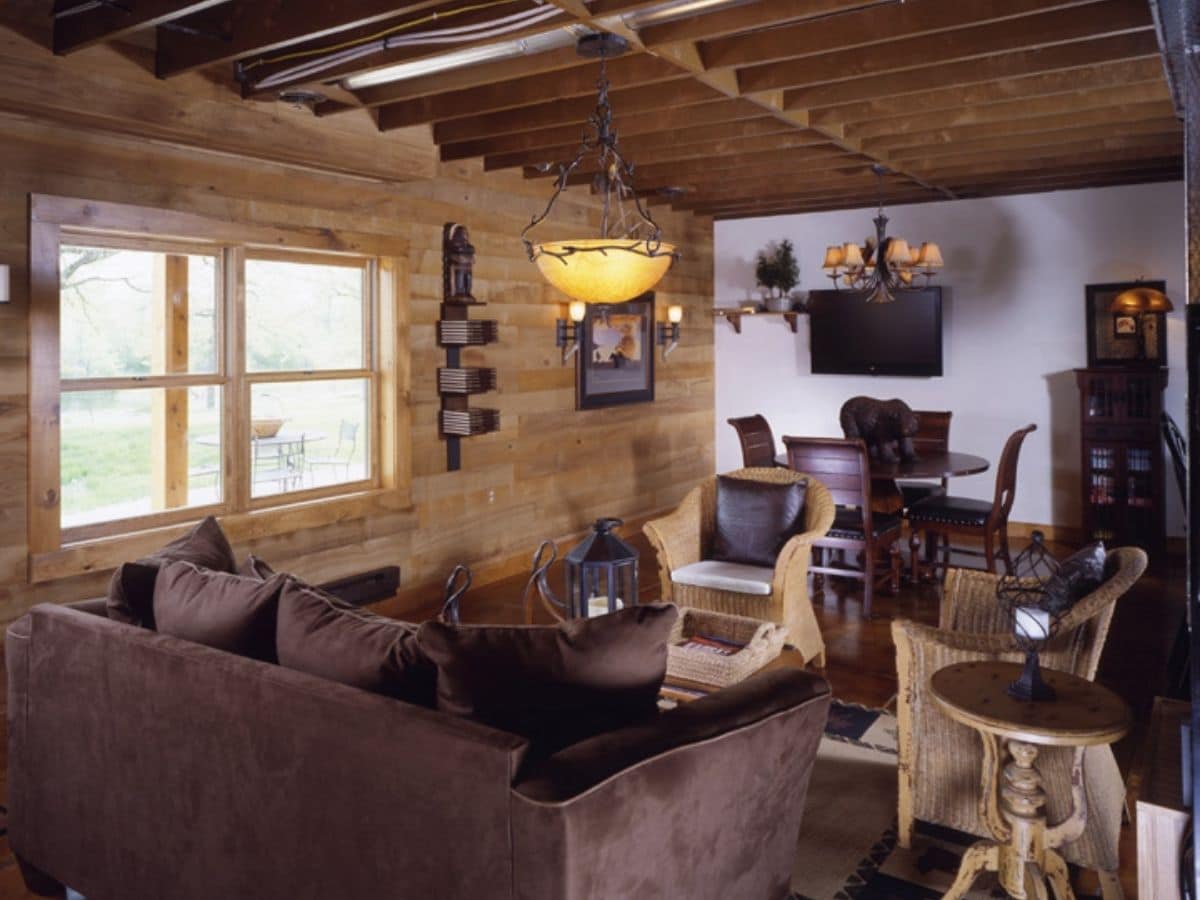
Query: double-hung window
point(191, 367)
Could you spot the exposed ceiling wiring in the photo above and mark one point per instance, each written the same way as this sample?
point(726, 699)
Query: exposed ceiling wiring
point(324, 58)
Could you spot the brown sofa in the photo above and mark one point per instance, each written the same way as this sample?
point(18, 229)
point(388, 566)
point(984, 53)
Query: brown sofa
point(143, 766)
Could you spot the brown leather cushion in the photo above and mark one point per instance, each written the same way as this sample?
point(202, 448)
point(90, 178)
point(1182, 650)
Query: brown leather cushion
point(218, 609)
point(755, 519)
point(319, 634)
point(553, 684)
point(131, 589)
point(951, 511)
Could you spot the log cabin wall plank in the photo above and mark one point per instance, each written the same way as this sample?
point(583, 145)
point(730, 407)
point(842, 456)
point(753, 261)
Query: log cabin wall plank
point(548, 472)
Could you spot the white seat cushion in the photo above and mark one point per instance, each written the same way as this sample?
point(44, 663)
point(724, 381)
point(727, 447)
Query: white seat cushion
point(726, 576)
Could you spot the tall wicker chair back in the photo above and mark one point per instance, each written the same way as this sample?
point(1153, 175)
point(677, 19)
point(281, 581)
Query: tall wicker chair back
point(685, 537)
point(843, 465)
point(758, 443)
point(941, 761)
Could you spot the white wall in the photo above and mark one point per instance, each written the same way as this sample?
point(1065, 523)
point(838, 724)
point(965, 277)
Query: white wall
point(1013, 326)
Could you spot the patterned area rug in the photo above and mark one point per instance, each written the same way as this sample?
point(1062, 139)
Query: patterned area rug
point(847, 848)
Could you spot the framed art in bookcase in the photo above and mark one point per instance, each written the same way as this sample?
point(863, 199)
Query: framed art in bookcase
point(1120, 339)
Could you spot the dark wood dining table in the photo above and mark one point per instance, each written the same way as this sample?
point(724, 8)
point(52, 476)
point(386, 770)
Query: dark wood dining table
point(885, 492)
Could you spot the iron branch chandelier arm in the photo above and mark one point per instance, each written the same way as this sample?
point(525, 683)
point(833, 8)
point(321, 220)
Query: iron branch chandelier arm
point(619, 242)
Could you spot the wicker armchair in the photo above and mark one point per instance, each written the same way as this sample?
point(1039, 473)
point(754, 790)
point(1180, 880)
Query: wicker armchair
point(941, 760)
point(685, 537)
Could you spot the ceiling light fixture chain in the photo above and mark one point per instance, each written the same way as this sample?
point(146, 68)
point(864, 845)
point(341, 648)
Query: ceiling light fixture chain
point(613, 181)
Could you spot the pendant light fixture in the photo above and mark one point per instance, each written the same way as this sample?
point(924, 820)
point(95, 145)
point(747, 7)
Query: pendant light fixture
point(883, 264)
point(628, 257)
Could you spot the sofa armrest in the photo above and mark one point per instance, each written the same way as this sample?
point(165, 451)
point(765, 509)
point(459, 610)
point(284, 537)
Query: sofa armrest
point(96, 606)
point(584, 765)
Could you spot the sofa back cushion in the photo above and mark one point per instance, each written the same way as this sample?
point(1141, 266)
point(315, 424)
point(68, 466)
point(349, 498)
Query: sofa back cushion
point(754, 519)
point(131, 589)
point(553, 684)
point(218, 609)
point(323, 636)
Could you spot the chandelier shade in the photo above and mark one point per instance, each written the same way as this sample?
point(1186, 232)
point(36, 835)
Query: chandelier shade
point(883, 264)
point(599, 270)
point(628, 257)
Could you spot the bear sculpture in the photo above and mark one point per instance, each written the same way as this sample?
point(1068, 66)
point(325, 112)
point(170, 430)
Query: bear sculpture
point(886, 426)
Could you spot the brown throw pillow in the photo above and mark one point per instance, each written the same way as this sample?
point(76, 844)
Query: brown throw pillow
point(217, 609)
point(1078, 575)
point(755, 519)
point(255, 567)
point(131, 590)
point(554, 685)
point(319, 634)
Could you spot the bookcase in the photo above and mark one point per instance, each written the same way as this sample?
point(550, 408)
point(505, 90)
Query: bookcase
point(1123, 465)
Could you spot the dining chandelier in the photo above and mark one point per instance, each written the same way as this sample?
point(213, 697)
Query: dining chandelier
point(883, 264)
point(629, 256)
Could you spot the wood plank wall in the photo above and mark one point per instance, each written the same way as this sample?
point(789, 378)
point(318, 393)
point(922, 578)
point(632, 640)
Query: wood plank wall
point(71, 128)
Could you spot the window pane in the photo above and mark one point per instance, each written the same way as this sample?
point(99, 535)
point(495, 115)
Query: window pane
point(121, 457)
point(308, 434)
point(136, 312)
point(303, 317)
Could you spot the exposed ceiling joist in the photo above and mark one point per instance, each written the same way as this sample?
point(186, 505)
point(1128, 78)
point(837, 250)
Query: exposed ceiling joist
point(83, 24)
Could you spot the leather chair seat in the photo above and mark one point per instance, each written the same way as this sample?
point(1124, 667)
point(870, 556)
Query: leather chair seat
point(916, 491)
point(848, 524)
point(951, 511)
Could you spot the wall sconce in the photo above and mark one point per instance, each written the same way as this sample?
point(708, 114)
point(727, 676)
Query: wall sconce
point(567, 331)
point(668, 331)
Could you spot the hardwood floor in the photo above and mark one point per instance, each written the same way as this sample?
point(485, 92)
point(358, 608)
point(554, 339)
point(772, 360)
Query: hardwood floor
point(861, 656)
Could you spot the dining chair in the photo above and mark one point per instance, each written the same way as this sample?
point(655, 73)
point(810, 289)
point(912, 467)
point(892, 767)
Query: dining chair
point(843, 466)
point(758, 443)
point(943, 518)
point(932, 437)
point(342, 456)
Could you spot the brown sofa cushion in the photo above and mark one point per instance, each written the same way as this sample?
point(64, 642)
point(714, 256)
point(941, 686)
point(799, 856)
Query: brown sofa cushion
point(558, 684)
point(131, 589)
point(255, 567)
point(319, 634)
point(754, 519)
point(218, 609)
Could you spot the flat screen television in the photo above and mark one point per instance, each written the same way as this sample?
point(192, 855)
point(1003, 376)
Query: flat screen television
point(849, 336)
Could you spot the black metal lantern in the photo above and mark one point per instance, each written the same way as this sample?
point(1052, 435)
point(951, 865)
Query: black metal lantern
point(1032, 596)
point(601, 575)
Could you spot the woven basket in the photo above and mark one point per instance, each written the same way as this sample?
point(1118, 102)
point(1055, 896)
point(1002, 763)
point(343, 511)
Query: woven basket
point(763, 642)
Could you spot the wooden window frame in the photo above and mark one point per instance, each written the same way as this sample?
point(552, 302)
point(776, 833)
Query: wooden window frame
point(55, 552)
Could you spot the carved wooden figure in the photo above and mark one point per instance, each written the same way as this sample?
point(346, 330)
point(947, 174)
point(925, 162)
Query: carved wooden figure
point(886, 426)
point(458, 260)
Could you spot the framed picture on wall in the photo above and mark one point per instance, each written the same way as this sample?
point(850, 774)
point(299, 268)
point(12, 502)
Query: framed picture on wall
point(616, 354)
point(1117, 340)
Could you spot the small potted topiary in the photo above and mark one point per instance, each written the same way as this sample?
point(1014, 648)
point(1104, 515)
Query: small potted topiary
point(777, 272)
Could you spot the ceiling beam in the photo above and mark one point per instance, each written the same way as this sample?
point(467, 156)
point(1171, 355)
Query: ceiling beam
point(745, 17)
point(1111, 149)
point(83, 25)
point(683, 141)
point(1107, 17)
point(572, 111)
point(1160, 114)
point(1016, 64)
point(860, 119)
point(871, 25)
point(1095, 136)
point(260, 26)
point(637, 70)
